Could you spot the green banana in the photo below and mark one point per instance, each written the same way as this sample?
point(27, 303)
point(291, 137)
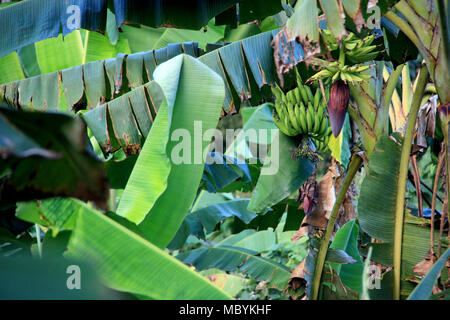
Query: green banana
point(292, 120)
point(297, 118)
point(309, 93)
point(302, 118)
point(303, 93)
point(277, 92)
point(323, 126)
point(298, 98)
point(316, 99)
point(310, 118)
point(317, 122)
point(290, 97)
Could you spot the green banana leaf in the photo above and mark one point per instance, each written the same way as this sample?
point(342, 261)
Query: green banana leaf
point(346, 239)
point(228, 258)
point(127, 262)
point(47, 18)
point(57, 213)
point(156, 178)
point(10, 68)
point(291, 174)
point(53, 54)
point(202, 221)
point(257, 241)
point(376, 214)
point(90, 84)
point(93, 83)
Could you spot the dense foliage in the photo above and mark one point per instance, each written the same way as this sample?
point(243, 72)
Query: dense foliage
point(326, 176)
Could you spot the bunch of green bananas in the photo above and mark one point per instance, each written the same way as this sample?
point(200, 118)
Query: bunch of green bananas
point(356, 50)
point(300, 112)
point(335, 71)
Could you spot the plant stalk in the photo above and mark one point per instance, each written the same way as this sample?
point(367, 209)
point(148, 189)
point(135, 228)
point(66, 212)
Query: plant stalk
point(403, 175)
point(353, 167)
point(433, 200)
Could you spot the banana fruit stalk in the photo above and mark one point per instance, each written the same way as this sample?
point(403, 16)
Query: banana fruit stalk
point(300, 112)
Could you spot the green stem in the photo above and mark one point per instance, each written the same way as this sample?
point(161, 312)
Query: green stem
point(403, 175)
point(112, 200)
point(444, 124)
point(353, 167)
point(341, 56)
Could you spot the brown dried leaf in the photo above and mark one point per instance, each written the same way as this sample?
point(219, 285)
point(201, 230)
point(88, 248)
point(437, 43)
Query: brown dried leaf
point(325, 201)
point(424, 266)
point(302, 231)
point(297, 278)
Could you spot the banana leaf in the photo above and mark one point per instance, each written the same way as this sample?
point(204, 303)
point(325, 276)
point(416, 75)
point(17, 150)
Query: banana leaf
point(47, 18)
point(202, 221)
point(90, 84)
point(127, 262)
point(346, 239)
point(246, 66)
point(291, 174)
point(229, 258)
point(157, 178)
point(376, 214)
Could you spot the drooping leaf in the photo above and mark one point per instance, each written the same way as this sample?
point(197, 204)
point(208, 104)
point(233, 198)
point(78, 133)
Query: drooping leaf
point(229, 258)
point(291, 173)
point(148, 197)
point(346, 239)
point(91, 83)
point(127, 262)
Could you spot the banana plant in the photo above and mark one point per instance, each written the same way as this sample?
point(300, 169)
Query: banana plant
point(425, 23)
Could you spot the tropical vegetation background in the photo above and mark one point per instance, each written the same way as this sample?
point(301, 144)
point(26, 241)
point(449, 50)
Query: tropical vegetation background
point(355, 91)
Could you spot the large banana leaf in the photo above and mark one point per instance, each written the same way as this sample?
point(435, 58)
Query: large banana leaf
point(257, 53)
point(229, 258)
point(194, 95)
point(127, 262)
point(46, 18)
point(376, 214)
point(53, 54)
point(291, 174)
point(203, 220)
point(91, 84)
